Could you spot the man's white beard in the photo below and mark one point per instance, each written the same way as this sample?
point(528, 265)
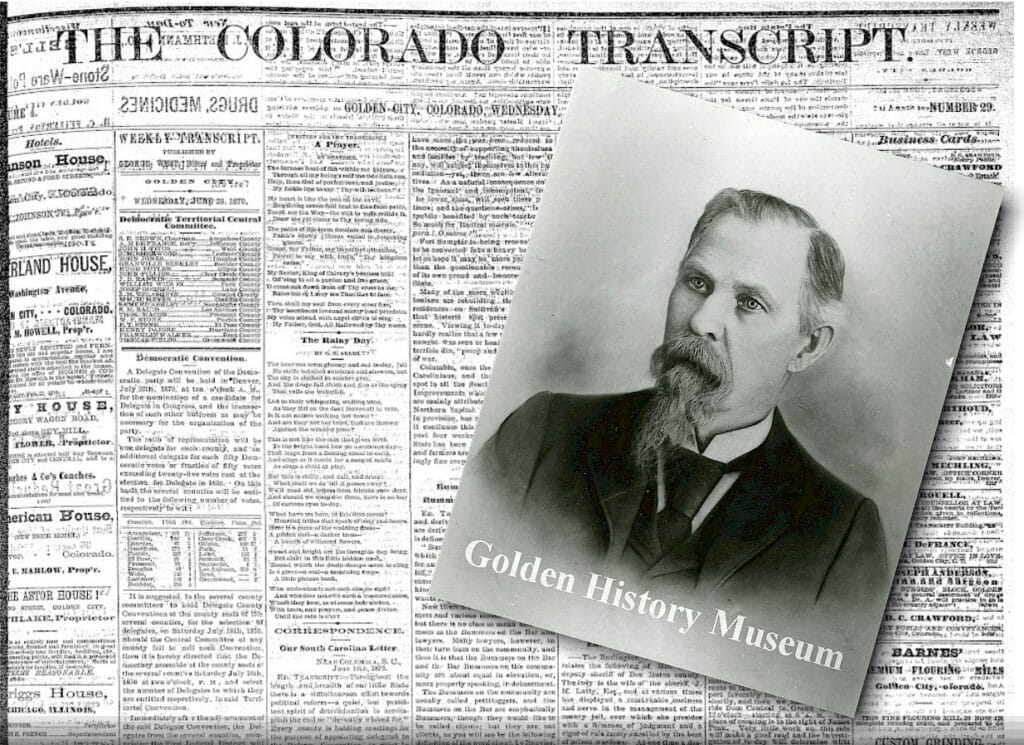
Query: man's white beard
point(691, 381)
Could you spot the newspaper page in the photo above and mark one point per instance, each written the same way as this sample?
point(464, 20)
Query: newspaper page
point(260, 260)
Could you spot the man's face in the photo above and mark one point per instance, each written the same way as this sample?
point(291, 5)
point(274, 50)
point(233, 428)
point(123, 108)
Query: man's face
point(733, 323)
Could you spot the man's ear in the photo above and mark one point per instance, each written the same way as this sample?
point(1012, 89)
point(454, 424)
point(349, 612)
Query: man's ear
point(818, 343)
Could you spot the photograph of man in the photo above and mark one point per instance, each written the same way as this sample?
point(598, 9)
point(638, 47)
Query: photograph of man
point(696, 484)
point(720, 392)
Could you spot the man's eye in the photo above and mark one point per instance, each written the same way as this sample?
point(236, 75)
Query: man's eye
point(699, 284)
point(751, 305)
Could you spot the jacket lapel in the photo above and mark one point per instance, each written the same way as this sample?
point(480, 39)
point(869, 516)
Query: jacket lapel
point(672, 563)
point(618, 492)
point(745, 527)
point(615, 487)
point(754, 513)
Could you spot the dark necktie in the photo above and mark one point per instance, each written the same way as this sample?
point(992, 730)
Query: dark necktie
point(689, 478)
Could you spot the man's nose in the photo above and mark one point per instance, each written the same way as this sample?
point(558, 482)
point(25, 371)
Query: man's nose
point(709, 317)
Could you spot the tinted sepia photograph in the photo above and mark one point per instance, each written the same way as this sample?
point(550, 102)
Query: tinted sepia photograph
point(717, 391)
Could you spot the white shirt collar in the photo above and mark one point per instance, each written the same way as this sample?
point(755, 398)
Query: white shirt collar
point(729, 445)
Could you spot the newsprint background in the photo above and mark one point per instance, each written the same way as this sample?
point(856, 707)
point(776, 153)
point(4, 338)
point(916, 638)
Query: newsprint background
point(254, 303)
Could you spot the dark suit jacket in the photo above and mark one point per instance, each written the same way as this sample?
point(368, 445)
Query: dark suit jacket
point(788, 536)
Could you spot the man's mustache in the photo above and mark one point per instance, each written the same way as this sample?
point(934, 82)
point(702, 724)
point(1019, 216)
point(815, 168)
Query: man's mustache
point(693, 352)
